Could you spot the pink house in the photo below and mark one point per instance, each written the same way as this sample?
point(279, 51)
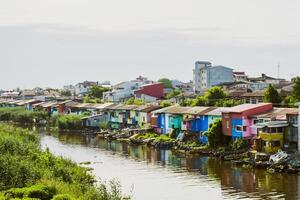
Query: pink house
point(237, 121)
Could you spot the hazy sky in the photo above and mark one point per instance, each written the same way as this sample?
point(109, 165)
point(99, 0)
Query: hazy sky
point(58, 42)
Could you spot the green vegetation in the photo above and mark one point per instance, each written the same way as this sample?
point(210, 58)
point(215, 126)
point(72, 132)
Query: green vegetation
point(271, 95)
point(67, 122)
point(239, 143)
point(88, 99)
point(164, 138)
point(66, 93)
point(290, 101)
point(167, 83)
point(173, 93)
point(296, 88)
point(27, 172)
point(104, 125)
point(215, 96)
point(97, 92)
point(165, 103)
point(215, 135)
point(21, 115)
point(134, 101)
point(156, 137)
point(147, 136)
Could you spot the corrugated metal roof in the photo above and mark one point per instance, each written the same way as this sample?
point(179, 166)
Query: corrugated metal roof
point(245, 107)
point(197, 110)
point(277, 113)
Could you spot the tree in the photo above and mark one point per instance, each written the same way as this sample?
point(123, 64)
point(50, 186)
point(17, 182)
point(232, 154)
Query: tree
point(199, 101)
point(165, 104)
point(134, 101)
point(214, 94)
point(173, 93)
point(215, 134)
point(290, 101)
point(271, 95)
point(167, 83)
point(97, 91)
point(296, 88)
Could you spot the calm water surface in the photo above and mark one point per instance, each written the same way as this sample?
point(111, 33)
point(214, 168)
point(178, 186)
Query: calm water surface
point(159, 174)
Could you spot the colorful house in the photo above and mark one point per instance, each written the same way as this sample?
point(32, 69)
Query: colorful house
point(144, 115)
point(271, 135)
point(237, 121)
point(279, 116)
point(178, 118)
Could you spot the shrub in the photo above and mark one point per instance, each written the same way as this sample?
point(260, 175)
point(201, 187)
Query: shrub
point(69, 122)
point(27, 172)
point(239, 143)
point(215, 135)
point(36, 191)
point(63, 197)
point(21, 115)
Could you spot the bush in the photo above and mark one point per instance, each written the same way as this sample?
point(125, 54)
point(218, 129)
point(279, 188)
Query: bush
point(69, 122)
point(215, 135)
point(164, 138)
point(239, 143)
point(27, 172)
point(21, 115)
point(165, 103)
point(36, 191)
point(63, 197)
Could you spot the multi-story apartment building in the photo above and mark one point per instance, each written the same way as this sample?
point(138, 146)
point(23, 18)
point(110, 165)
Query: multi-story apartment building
point(206, 75)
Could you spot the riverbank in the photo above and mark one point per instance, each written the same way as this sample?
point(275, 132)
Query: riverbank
point(27, 172)
point(241, 156)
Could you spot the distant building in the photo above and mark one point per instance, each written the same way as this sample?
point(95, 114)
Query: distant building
point(268, 80)
point(10, 94)
point(124, 90)
point(206, 75)
point(185, 87)
point(81, 89)
point(253, 97)
point(239, 76)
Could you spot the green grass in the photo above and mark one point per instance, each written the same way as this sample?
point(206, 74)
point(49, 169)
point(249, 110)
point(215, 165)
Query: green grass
point(67, 122)
point(27, 172)
point(21, 115)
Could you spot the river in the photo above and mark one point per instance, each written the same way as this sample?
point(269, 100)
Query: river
point(147, 173)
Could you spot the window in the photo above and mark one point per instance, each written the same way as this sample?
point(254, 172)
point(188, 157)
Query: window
point(279, 130)
point(244, 128)
point(238, 128)
point(275, 143)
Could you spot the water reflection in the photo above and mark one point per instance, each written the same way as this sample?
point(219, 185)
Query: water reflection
point(195, 174)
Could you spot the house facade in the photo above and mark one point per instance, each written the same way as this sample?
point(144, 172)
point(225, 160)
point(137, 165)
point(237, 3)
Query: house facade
point(237, 120)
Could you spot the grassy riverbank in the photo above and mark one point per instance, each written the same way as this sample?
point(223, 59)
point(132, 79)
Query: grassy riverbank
point(27, 172)
point(23, 116)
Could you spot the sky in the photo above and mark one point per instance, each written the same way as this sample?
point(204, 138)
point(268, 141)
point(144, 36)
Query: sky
point(51, 43)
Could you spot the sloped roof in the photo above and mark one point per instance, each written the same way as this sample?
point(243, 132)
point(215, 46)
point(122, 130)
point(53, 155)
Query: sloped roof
point(277, 113)
point(244, 107)
point(197, 110)
point(259, 93)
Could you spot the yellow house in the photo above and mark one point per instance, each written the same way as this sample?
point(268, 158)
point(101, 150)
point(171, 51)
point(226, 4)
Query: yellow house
point(271, 135)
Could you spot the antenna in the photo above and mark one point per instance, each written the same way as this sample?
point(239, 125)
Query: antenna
point(278, 70)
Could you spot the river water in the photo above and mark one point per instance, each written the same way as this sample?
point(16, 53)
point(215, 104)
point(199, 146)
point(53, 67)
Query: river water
point(147, 173)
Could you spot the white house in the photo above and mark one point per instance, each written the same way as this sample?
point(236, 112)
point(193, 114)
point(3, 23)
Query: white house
point(124, 90)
